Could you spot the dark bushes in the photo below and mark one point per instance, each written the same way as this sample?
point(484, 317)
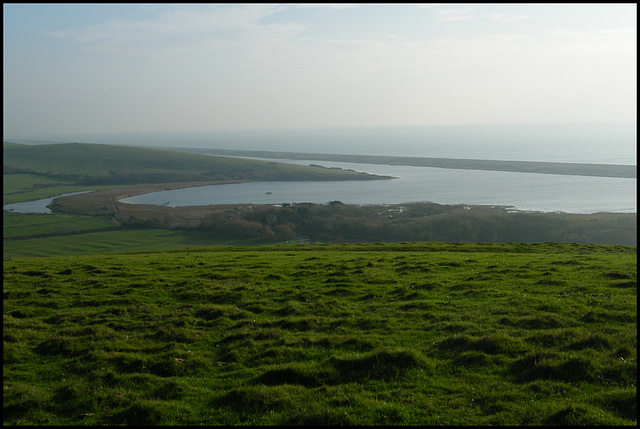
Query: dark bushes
point(423, 222)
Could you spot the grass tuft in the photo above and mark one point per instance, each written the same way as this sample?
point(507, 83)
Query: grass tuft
point(577, 415)
point(592, 342)
point(302, 375)
point(140, 413)
point(54, 346)
point(495, 344)
point(326, 418)
point(471, 358)
point(622, 402)
point(381, 364)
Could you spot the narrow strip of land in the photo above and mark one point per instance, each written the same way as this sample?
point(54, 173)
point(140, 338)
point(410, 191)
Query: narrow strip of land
point(564, 168)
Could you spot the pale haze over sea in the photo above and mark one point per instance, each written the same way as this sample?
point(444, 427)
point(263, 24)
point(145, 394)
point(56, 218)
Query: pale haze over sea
point(374, 79)
point(600, 143)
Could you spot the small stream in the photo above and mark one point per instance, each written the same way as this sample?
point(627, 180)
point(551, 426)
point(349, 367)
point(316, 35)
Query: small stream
point(38, 206)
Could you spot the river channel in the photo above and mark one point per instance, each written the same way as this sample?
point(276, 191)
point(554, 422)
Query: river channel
point(38, 206)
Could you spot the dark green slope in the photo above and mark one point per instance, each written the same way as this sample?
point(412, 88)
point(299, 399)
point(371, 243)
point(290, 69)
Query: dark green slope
point(122, 164)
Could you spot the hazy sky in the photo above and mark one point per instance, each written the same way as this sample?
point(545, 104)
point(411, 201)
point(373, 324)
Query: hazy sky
point(100, 68)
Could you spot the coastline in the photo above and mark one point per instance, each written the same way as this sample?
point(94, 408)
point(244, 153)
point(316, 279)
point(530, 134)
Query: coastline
point(560, 168)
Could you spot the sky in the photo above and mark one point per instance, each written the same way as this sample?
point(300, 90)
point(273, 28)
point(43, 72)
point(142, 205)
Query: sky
point(121, 68)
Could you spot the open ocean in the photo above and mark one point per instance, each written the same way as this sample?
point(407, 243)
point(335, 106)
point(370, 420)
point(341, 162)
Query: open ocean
point(613, 143)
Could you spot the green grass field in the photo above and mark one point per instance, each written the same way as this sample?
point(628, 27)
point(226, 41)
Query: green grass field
point(27, 182)
point(85, 163)
point(17, 225)
point(377, 334)
point(19, 188)
point(118, 241)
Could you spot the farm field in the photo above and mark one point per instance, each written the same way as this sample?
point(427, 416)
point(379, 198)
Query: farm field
point(18, 188)
point(396, 333)
point(19, 225)
point(117, 241)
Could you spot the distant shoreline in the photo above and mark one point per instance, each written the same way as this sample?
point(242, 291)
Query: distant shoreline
point(561, 168)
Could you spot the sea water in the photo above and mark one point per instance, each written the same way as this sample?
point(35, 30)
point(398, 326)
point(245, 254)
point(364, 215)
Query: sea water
point(609, 143)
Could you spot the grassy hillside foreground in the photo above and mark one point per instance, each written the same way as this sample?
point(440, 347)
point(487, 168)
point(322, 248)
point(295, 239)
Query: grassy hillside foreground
point(451, 334)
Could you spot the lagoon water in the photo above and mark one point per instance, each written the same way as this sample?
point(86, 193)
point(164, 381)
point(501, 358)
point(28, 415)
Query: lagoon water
point(523, 191)
point(579, 143)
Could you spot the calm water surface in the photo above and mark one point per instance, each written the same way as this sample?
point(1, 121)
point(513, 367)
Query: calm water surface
point(524, 191)
point(38, 206)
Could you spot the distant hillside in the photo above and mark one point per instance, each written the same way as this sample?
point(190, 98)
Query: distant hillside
point(86, 163)
point(563, 168)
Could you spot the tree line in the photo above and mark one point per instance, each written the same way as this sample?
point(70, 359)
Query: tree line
point(341, 223)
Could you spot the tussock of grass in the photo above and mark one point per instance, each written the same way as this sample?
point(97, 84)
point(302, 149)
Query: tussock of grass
point(302, 375)
point(237, 337)
point(140, 413)
point(322, 418)
point(54, 346)
point(622, 402)
point(379, 365)
point(577, 415)
point(471, 358)
point(592, 342)
point(260, 398)
point(499, 344)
